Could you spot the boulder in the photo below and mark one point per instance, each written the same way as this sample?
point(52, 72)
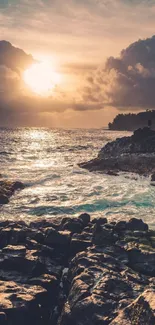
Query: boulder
point(3, 199)
point(74, 225)
point(7, 189)
point(102, 236)
point(57, 238)
point(85, 218)
point(136, 224)
point(142, 261)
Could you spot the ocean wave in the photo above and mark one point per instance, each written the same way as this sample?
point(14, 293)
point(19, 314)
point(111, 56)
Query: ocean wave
point(55, 185)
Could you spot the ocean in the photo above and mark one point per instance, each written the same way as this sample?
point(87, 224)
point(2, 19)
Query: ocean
point(46, 160)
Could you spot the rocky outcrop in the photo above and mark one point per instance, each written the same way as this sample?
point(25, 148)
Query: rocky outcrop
point(141, 311)
point(77, 271)
point(7, 189)
point(128, 154)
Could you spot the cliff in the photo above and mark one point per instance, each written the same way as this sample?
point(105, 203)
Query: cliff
point(131, 122)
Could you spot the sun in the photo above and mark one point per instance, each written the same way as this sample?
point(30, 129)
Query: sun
point(40, 78)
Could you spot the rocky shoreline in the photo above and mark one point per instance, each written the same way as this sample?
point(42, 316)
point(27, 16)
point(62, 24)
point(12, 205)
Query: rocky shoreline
point(135, 154)
point(80, 271)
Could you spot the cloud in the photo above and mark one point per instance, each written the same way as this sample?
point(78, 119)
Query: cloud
point(83, 30)
point(14, 58)
point(126, 82)
point(18, 104)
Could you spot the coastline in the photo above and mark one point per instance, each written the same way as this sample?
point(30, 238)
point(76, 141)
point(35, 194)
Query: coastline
point(131, 154)
point(82, 271)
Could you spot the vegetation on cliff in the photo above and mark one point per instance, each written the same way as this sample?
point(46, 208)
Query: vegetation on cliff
point(131, 122)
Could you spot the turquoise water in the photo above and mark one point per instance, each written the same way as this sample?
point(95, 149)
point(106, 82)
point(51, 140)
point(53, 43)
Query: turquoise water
point(46, 160)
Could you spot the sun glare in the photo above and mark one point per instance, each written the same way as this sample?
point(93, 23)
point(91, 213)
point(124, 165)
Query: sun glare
point(40, 78)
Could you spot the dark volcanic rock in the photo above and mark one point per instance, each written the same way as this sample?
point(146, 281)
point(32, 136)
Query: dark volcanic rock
point(74, 225)
point(57, 238)
point(63, 277)
point(7, 189)
point(129, 154)
point(20, 303)
point(85, 218)
point(140, 312)
point(136, 224)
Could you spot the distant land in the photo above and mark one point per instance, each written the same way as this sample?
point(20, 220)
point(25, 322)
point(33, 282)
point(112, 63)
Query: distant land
point(131, 122)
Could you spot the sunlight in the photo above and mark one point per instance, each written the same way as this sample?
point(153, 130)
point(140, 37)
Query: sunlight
point(41, 79)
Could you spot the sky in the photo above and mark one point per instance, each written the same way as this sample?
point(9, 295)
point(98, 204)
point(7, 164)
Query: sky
point(102, 50)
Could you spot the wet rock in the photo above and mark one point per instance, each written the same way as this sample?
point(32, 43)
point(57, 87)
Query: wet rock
point(153, 177)
point(17, 186)
point(136, 224)
point(135, 154)
point(3, 199)
point(85, 218)
point(7, 189)
point(100, 284)
point(20, 303)
point(102, 236)
point(99, 221)
point(140, 312)
point(79, 243)
point(74, 225)
point(3, 319)
point(112, 173)
point(121, 226)
point(142, 261)
point(59, 238)
point(49, 275)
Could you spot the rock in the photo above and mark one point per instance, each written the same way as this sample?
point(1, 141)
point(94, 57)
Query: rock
point(140, 312)
point(7, 189)
point(59, 238)
point(3, 319)
point(99, 286)
point(79, 243)
point(17, 186)
point(3, 199)
point(20, 303)
point(136, 224)
point(135, 154)
point(142, 261)
point(54, 276)
point(74, 225)
point(112, 173)
point(120, 226)
point(85, 218)
point(99, 221)
point(153, 177)
point(102, 236)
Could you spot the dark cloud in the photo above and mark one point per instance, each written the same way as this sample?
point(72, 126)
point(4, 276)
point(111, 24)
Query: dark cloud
point(14, 58)
point(127, 82)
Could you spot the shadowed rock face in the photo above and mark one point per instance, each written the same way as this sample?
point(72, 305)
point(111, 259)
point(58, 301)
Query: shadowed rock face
point(101, 273)
point(141, 311)
point(130, 154)
point(7, 189)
